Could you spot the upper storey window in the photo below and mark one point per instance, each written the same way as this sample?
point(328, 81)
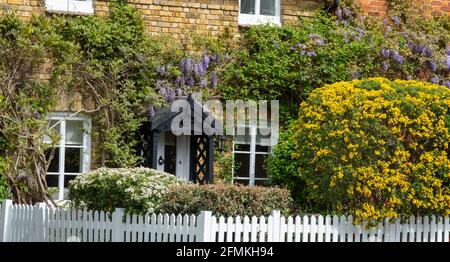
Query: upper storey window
point(72, 6)
point(256, 12)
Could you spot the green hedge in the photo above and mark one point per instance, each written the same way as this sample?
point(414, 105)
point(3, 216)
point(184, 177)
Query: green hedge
point(225, 200)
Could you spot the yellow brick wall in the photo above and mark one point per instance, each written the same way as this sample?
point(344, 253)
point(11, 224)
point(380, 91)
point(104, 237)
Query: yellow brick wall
point(177, 17)
point(23, 8)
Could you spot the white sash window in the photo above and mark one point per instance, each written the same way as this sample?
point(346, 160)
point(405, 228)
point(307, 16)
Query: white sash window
point(255, 12)
point(75, 6)
point(73, 151)
point(250, 153)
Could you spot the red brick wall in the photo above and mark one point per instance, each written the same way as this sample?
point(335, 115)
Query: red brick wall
point(431, 7)
point(373, 7)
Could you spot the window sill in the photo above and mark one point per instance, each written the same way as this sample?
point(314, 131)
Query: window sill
point(71, 13)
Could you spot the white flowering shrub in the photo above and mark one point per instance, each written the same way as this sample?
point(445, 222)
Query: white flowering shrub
point(138, 190)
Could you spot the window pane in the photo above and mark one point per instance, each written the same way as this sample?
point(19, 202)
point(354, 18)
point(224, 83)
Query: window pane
point(243, 139)
point(56, 129)
point(54, 164)
point(268, 7)
point(260, 182)
point(241, 165)
point(248, 7)
point(260, 169)
point(261, 139)
point(72, 161)
point(238, 147)
point(52, 180)
point(67, 179)
point(242, 181)
point(74, 133)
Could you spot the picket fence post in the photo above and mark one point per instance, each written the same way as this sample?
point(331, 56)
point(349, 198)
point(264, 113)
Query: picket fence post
point(117, 225)
point(4, 221)
point(41, 221)
point(204, 226)
point(276, 226)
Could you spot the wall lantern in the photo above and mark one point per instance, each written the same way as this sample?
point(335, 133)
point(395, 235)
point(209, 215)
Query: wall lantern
point(221, 142)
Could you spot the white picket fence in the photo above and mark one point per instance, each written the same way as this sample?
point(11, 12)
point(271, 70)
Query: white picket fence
point(39, 223)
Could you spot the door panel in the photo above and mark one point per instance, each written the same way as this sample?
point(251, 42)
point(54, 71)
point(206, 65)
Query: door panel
point(183, 157)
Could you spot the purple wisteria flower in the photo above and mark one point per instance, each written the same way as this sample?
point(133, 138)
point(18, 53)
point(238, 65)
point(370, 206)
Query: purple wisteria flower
point(314, 36)
point(161, 70)
point(181, 81)
point(301, 45)
point(320, 42)
point(397, 57)
point(205, 61)
point(446, 83)
point(386, 66)
point(435, 80)
point(179, 92)
point(432, 65)
point(426, 51)
point(203, 83)
point(200, 70)
point(215, 58)
point(355, 75)
point(385, 52)
point(396, 20)
point(408, 77)
point(311, 54)
point(190, 82)
point(339, 14)
point(361, 33)
point(447, 62)
point(347, 12)
point(186, 66)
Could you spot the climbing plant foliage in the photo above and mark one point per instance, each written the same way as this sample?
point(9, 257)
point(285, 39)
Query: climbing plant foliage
point(110, 60)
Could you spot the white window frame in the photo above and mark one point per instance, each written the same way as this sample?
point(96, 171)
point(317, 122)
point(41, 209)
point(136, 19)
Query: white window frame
point(252, 152)
point(62, 117)
point(257, 19)
point(72, 6)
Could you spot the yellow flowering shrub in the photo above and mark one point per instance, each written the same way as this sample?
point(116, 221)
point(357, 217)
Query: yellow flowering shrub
point(375, 148)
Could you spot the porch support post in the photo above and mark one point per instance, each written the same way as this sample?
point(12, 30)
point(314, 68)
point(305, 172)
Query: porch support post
point(192, 159)
point(154, 147)
point(210, 159)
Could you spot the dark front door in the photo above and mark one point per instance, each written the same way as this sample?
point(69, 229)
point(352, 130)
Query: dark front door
point(170, 154)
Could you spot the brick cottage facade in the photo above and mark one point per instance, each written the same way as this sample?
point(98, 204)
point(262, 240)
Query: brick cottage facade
point(176, 18)
point(206, 17)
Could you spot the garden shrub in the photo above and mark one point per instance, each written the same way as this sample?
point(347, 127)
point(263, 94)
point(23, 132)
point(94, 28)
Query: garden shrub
point(138, 190)
point(374, 148)
point(282, 167)
point(3, 188)
point(225, 200)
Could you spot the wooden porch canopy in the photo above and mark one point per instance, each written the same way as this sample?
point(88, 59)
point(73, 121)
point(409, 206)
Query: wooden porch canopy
point(201, 147)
